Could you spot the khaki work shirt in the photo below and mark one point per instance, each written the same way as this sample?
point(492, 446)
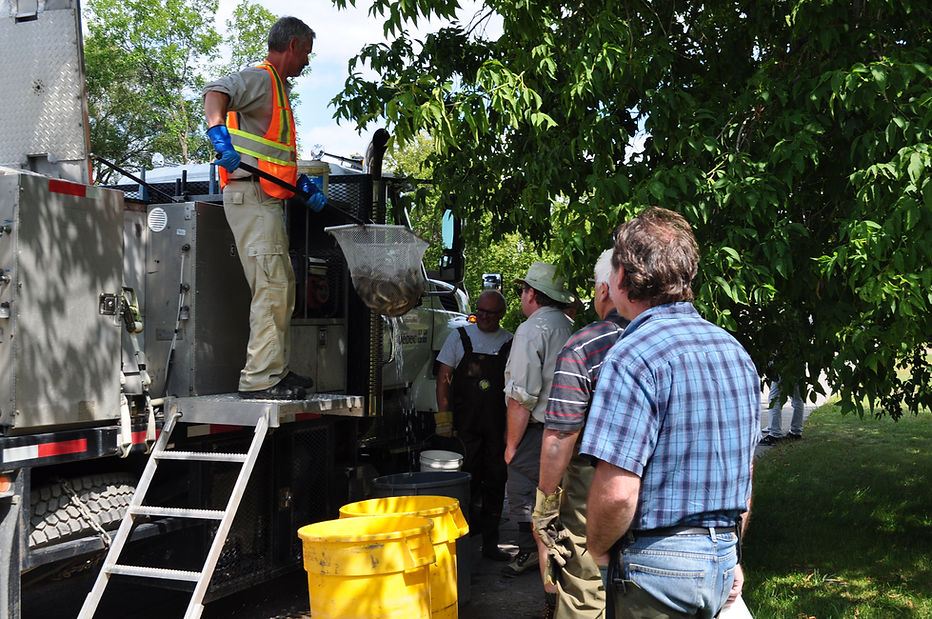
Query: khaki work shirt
point(250, 93)
point(534, 351)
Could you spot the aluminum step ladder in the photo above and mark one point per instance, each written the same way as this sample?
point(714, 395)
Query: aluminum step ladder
point(137, 508)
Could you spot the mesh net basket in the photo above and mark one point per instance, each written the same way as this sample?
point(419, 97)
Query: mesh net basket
point(385, 264)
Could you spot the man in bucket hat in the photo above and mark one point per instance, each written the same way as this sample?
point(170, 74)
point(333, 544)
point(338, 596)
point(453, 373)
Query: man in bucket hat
point(528, 376)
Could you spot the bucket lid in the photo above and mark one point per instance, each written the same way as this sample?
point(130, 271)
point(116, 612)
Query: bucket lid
point(313, 167)
point(444, 512)
point(422, 480)
point(441, 455)
point(376, 528)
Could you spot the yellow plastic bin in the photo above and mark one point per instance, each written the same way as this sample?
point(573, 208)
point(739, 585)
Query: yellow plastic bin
point(449, 525)
point(369, 567)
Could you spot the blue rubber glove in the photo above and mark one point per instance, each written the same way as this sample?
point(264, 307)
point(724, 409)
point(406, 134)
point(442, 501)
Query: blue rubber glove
point(220, 137)
point(311, 194)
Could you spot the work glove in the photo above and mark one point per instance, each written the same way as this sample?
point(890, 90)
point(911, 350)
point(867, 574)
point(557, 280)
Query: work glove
point(444, 423)
point(311, 194)
point(220, 137)
point(549, 529)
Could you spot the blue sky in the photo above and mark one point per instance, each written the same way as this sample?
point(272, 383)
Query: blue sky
point(340, 36)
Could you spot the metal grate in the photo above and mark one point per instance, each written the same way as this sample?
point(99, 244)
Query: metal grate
point(311, 471)
point(246, 550)
point(352, 193)
point(349, 192)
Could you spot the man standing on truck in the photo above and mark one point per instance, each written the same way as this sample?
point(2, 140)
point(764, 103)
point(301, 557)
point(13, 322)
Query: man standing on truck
point(470, 380)
point(528, 375)
point(674, 423)
point(565, 476)
point(249, 119)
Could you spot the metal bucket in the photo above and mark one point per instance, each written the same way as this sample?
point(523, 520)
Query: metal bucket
point(441, 460)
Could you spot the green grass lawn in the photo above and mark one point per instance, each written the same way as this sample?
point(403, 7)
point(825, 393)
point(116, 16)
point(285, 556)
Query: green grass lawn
point(841, 524)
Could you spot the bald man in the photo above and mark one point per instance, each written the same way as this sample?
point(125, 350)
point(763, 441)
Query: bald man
point(470, 380)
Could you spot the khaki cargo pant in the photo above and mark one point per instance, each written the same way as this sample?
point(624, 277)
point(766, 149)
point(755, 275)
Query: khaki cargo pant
point(256, 220)
point(579, 588)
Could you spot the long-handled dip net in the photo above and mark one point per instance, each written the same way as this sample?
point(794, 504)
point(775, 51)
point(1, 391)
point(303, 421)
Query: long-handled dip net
point(385, 264)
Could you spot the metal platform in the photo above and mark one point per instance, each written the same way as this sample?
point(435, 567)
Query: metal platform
point(230, 409)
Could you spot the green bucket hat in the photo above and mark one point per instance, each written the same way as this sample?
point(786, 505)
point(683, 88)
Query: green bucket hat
point(542, 276)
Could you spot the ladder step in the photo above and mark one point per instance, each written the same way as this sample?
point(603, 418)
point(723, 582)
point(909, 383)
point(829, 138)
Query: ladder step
point(177, 512)
point(154, 572)
point(203, 456)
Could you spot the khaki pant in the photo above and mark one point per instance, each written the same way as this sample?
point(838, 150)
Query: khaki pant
point(262, 243)
point(580, 594)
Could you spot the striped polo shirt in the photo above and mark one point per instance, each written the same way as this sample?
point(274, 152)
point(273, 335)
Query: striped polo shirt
point(576, 371)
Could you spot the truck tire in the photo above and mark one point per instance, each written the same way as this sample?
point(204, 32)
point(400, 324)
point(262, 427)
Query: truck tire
point(55, 517)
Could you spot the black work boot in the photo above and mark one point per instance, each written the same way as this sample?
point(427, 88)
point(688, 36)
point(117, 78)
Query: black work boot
point(490, 549)
point(296, 380)
point(281, 391)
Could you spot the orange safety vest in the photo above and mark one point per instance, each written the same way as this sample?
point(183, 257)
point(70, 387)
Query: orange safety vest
point(277, 150)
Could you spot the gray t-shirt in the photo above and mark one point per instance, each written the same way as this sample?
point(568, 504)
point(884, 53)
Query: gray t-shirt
point(484, 343)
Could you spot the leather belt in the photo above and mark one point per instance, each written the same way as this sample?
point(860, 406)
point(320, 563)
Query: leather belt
point(671, 531)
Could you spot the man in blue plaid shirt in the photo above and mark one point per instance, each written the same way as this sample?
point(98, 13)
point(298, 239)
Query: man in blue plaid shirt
point(673, 425)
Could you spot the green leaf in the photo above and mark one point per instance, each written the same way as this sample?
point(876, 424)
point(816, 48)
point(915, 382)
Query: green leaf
point(658, 190)
point(880, 76)
point(724, 285)
point(916, 167)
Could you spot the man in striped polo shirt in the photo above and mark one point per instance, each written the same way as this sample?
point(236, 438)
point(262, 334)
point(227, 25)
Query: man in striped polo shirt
point(674, 423)
point(563, 472)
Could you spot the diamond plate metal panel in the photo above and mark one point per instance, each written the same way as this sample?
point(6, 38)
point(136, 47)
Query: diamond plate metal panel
point(43, 114)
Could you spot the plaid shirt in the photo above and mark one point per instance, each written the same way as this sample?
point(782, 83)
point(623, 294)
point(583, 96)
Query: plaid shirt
point(678, 404)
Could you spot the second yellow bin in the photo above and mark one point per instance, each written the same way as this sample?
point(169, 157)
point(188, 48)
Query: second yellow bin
point(449, 525)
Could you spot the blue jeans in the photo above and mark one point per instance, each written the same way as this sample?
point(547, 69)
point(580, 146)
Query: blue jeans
point(690, 574)
point(776, 411)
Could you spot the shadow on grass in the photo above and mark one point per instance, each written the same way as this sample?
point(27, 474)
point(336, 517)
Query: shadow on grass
point(841, 524)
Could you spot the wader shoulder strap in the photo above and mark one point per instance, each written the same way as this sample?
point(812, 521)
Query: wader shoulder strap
point(467, 343)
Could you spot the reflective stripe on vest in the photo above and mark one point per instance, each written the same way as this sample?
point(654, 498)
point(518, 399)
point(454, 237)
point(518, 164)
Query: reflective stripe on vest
point(276, 151)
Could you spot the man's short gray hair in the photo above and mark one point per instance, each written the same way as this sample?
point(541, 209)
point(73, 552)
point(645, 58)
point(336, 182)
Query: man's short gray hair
point(287, 28)
point(603, 267)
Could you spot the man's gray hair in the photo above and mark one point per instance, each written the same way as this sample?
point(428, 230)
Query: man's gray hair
point(603, 267)
point(287, 28)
